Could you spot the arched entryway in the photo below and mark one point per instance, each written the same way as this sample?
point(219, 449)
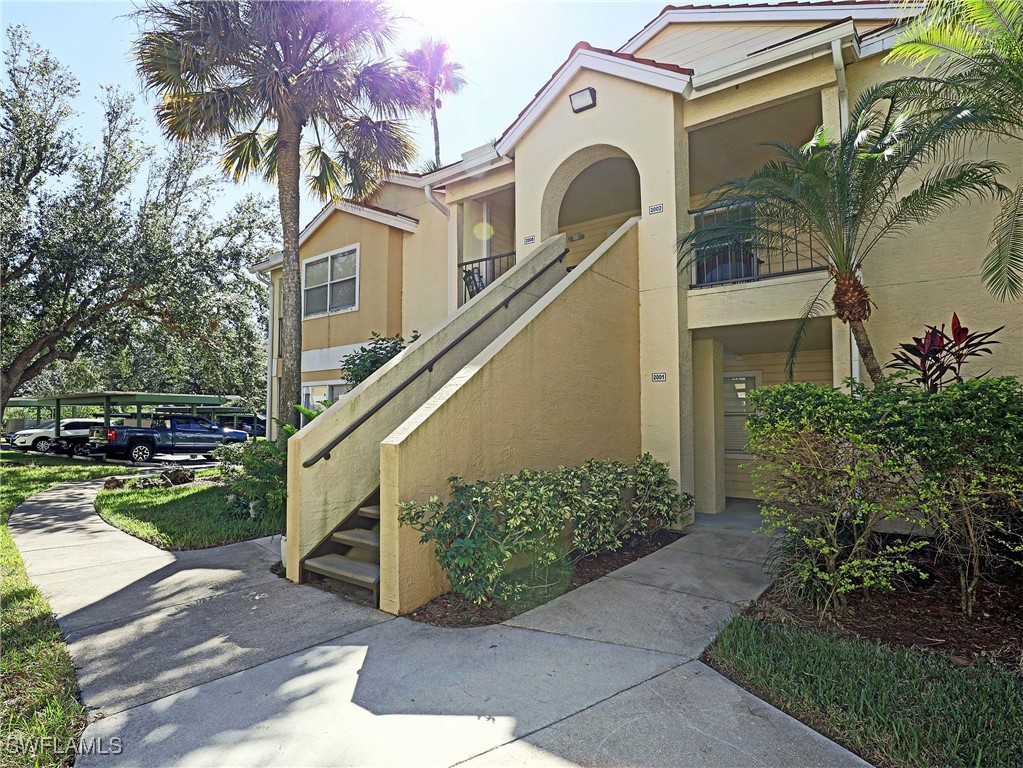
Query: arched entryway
point(591, 195)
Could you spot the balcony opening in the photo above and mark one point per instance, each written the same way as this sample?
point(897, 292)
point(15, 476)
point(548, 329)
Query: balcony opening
point(598, 201)
point(488, 241)
point(733, 149)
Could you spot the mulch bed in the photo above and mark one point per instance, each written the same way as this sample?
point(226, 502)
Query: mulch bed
point(451, 610)
point(925, 614)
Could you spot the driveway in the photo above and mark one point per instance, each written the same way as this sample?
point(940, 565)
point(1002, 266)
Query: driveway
point(205, 658)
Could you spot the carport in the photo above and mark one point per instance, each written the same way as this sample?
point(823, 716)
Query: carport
point(118, 404)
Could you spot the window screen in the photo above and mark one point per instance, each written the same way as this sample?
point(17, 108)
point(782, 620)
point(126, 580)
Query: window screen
point(737, 387)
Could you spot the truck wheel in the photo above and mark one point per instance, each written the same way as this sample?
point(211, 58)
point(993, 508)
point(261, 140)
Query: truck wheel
point(42, 444)
point(140, 452)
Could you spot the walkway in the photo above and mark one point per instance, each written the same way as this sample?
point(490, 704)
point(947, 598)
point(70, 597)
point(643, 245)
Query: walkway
point(207, 659)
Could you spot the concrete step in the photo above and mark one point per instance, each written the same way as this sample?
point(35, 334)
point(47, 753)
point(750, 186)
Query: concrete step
point(345, 569)
point(358, 537)
point(371, 511)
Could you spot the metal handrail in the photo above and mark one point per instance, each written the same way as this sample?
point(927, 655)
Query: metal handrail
point(495, 257)
point(324, 453)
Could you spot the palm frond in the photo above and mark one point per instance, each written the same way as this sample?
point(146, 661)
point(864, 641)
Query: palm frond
point(939, 192)
point(1003, 265)
point(243, 154)
point(325, 176)
point(815, 307)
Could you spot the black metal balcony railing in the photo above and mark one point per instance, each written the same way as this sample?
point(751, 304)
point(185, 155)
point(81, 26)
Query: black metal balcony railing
point(740, 260)
point(477, 274)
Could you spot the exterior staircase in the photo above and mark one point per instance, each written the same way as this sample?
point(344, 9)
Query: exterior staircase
point(334, 509)
point(352, 553)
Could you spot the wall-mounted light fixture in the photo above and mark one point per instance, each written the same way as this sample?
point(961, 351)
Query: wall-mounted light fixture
point(576, 237)
point(583, 100)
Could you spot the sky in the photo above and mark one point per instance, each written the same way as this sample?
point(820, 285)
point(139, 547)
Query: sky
point(508, 49)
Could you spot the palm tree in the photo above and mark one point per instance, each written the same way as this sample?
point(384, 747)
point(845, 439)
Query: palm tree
point(847, 196)
point(439, 76)
point(256, 76)
point(976, 47)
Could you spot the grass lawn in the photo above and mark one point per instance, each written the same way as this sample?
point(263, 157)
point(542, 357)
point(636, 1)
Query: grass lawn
point(893, 706)
point(183, 517)
point(38, 690)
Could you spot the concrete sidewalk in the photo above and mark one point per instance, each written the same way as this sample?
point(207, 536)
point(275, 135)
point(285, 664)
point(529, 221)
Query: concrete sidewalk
point(205, 658)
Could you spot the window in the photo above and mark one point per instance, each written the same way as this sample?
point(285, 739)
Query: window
point(335, 391)
point(737, 387)
point(331, 283)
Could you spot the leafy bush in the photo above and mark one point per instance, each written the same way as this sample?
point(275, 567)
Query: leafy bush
point(363, 362)
point(828, 492)
point(967, 441)
point(256, 471)
point(833, 465)
point(504, 538)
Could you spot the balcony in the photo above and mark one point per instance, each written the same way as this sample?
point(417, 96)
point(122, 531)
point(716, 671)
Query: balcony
point(477, 274)
point(784, 251)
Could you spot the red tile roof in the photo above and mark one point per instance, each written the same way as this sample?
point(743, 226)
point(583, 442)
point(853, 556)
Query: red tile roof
point(584, 46)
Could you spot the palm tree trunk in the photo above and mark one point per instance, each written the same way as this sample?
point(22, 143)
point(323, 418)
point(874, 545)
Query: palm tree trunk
point(436, 132)
point(290, 394)
point(859, 333)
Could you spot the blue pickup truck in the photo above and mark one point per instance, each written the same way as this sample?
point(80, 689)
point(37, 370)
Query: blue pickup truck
point(169, 434)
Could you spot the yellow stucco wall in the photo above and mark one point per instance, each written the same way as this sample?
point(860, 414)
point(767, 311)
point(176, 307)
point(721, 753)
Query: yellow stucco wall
point(558, 387)
point(379, 282)
point(639, 121)
point(480, 184)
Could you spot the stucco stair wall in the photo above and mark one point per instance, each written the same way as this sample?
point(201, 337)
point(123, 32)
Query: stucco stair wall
point(560, 386)
point(321, 497)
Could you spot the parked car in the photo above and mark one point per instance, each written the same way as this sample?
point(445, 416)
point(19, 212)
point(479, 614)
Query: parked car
point(248, 424)
point(169, 434)
point(73, 440)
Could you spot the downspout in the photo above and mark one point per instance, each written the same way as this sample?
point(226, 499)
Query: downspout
point(843, 125)
point(447, 215)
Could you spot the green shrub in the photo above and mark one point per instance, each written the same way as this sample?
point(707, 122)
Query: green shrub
point(508, 537)
point(828, 493)
point(256, 471)
point(967, 440)
point(832, 465)
point(370, 357)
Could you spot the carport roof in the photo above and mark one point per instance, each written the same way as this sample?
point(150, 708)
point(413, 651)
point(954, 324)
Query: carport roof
point(118, 398)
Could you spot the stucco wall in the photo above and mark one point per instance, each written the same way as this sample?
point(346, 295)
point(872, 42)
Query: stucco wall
point(323, 495)
point(379, 281)
point(639, 122)
point(560, 386)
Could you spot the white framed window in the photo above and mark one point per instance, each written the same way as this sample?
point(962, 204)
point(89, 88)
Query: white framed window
point(737, 388)
point(330, 283)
